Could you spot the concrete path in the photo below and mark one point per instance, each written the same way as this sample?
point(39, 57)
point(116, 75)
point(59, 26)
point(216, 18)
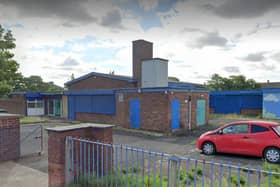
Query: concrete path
point(16, 175)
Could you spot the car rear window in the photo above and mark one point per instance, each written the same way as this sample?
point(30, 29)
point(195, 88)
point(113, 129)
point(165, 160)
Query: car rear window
point(258, 129)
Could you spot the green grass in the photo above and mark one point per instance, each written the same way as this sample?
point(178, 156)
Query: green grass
point(147, 133)
point(233, 116)
point(29, 120)
point(129, 177)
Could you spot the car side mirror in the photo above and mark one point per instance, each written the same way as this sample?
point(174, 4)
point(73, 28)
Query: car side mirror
point(220, 132)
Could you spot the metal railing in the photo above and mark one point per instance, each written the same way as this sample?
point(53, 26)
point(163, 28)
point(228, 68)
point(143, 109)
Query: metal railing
point(102, 164)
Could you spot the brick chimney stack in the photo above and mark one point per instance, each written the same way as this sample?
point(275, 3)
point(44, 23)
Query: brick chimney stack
point(141, 49)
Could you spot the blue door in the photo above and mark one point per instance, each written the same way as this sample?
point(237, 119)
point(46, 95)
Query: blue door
point(200, 112)
point(175, 114)
point(135, 113)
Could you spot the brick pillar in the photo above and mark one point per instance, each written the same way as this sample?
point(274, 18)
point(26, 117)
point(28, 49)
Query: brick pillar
point(9, 137)
point(56, 146)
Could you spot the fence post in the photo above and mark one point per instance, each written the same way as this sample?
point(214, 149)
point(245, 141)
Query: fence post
point(173, 172)
point(67, 168)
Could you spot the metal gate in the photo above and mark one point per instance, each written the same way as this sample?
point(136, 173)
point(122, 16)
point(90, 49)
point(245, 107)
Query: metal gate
point(31, 139)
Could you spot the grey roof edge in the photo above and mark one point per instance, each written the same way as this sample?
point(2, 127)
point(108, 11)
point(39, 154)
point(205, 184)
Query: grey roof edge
point(118, 77)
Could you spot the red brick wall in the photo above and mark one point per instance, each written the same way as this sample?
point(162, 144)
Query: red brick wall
point(95, 82)
point(184, 109)
point(95, 118)
point(141, 50)
point(253, 112)
point(56, 150)
point(15, 105)
point(153, 110)
point(9, 138)
point(156, 109)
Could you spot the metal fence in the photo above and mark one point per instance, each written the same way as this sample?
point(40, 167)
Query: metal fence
point(101, 164)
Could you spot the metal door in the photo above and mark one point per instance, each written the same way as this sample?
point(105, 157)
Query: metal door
point(57, 105)
point(200, 112)
point(175, 114)
point(135, 113)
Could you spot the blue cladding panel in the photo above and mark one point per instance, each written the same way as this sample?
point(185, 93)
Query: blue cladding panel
point(175, 114)
point(135, 118)
point(33, 95)
point(103, 104)
point(83, 103)
point(99, 104)
point(233, 103)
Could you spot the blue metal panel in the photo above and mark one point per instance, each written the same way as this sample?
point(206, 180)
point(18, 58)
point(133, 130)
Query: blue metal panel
point(200, 112)
point(71, 108)
point(33, 95)
point(83, 103)
point(175, 114)
point(89, 92)
point(135, 118)
point(226, 102)
point(251, 101)
point(103, 104)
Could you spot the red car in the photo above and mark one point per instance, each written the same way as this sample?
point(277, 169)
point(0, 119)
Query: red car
point(255, 138)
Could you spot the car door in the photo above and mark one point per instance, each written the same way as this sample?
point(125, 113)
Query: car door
point(257, 139)
point(232, 137)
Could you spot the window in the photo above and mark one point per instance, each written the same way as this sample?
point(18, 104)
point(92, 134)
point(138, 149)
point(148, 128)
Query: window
point(257, 129)
point(236, 129)
point(35, 104)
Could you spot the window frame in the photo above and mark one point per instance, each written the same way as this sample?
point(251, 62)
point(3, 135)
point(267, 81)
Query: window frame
point(247, 124)
point(267, 129)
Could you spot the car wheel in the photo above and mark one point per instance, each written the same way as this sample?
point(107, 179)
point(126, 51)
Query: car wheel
point(208, 148)
point(272, 155)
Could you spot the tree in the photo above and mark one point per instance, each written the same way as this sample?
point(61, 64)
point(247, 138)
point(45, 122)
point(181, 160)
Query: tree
point(236, 82)
point(9, 75)
point(35, 83)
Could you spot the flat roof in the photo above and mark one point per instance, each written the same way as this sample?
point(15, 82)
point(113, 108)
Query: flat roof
point(237, 92)
point(79, 126)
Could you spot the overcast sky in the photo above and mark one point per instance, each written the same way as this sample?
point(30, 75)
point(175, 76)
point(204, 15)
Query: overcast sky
point(56, 38)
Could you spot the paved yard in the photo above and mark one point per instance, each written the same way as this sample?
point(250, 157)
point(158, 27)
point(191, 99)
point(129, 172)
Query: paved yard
point(183, 146)
point(16, 175)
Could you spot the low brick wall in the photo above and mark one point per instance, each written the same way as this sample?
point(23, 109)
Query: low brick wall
point(95, 118)
point(57, 154)
point(251, 112)
point(9, 137)
point(14, 105)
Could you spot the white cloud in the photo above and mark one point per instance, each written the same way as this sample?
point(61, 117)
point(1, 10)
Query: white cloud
point(270, 97)
point(169, 42)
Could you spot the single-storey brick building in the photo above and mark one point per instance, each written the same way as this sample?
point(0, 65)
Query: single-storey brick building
point(147, 100)
point(35, 104)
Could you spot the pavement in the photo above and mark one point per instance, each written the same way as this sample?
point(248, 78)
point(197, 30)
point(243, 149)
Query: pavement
point(13, 174)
